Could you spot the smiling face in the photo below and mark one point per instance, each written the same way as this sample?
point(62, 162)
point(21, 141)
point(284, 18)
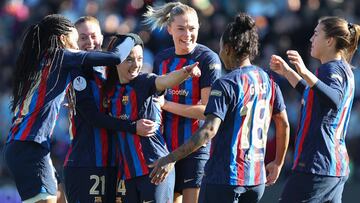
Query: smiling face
point(184, 31)
point(90, 37)
point(130, 68)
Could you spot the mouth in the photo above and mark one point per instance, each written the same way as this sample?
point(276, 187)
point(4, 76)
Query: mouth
point(186, 42)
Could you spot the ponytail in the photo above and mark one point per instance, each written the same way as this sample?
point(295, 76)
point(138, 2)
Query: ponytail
point(161, 16)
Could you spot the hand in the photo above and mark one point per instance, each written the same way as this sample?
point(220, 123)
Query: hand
point(193, 70)
point(273, 171)
point(295, 59)
point(161, 169)
point(145, 127)
point(278, 65)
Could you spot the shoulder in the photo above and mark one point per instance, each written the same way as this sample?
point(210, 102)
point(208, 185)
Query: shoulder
point(165, 54)
point(205, 52)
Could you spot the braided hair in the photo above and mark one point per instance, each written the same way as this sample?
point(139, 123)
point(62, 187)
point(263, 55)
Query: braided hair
point(39, 41)
point(242, 36)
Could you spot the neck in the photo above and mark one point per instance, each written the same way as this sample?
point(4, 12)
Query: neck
point(240, 63)
point(330, 57)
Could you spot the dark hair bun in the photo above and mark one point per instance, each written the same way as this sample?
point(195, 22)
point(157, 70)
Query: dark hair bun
point(243, 23)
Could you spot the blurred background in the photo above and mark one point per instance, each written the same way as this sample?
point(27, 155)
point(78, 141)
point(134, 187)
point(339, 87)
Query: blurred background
point(282, 24)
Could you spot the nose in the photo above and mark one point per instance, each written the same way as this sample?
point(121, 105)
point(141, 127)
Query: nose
point(311, 38)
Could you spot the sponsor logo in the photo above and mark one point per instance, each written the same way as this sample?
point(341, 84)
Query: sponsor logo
point(188, 180)
point(216, 93)
point(124, 117)
point(177, 92)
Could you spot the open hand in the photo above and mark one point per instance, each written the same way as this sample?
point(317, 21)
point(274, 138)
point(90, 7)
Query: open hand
point(161, 169)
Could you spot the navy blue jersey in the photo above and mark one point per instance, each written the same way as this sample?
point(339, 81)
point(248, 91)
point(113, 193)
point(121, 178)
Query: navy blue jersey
point(320, 140)
point(244, 100)
point(178, 129)
point(91, 146)
point(133, 101)
point(35, 116)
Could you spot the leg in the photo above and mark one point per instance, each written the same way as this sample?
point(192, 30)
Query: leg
point(178, 197)
point(191, 195)
point(32, 170)
point(252, 194)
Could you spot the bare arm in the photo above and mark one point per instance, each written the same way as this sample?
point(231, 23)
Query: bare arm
point(177, 77)
point(164, 165)
point(282, 142)
point(278, 65)
point(189, 111)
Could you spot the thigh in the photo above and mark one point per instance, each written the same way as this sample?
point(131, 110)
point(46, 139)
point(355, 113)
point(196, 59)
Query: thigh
point(90, 184)
point(162, 193)
point(189, 173)
point(302, 187)
point(31, 168)
point(215, 193)
point(335, 194)
point(252, 193)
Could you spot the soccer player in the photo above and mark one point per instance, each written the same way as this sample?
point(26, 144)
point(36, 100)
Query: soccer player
point(130, 93)
point(321, 164)
point(184, 104)
point(90, 165)
point(238, 114)
point(42, 77)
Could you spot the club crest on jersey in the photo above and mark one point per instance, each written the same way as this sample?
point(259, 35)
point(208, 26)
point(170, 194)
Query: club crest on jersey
point(125, 100)
point(79, 83)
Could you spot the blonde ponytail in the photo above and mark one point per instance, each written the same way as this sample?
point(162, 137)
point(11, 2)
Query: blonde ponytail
point(161, 16)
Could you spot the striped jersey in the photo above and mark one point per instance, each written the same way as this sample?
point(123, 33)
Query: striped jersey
point(244, 100)
point(35, 117)
point(133, 101)
point(320, 140)
point(90, 146)
point(178, 129)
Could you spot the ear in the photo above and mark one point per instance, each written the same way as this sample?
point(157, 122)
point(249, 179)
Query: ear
point(63, 39)
point(169, 29)
point(227, 49)
point(330, 41)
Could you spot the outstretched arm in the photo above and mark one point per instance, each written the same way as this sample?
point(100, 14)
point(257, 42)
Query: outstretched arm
point(177, 77)
point(203, 135)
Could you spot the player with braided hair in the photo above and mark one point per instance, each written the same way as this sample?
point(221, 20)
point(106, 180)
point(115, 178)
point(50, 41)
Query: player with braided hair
point(43, 73)
point(238, 114)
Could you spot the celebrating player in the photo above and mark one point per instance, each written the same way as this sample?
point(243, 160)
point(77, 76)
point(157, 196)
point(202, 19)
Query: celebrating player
point(238, 116)
point(184, 104)
point(321, 167)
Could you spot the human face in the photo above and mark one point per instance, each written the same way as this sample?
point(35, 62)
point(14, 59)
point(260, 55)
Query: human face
point(184, 31)
point(319, 42)
point(130, 68)
point(90, 37)
point(70, 40)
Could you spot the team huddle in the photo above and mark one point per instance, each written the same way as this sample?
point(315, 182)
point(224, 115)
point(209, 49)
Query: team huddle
point(185, 132)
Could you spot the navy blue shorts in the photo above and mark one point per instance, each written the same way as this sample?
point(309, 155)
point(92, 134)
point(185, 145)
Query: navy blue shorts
point(140, 189)
point(83, 184)
point(190, 171)
point(215, 193)
point(303, 187)
point(31, 166)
